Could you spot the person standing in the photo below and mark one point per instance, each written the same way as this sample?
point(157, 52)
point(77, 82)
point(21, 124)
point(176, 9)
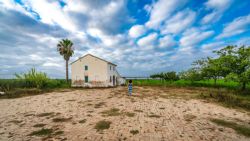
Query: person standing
point(130, 87)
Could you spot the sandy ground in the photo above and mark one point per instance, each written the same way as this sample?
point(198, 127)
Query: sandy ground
point(159, 115)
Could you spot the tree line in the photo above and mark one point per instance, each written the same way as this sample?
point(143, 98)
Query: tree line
point(232, 63)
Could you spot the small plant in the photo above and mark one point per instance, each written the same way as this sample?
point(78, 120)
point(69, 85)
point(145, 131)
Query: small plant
point(102, 125)
point(134, 132)
point(111, 112)
point(42, 132)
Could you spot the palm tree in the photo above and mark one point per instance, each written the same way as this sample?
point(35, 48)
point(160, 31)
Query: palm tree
point(64, 47)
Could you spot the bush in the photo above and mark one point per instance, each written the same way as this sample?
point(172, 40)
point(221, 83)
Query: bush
point(34, 78)
point(9, 84)
point(57, 83)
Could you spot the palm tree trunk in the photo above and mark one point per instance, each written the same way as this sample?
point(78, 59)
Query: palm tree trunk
point(67, 71)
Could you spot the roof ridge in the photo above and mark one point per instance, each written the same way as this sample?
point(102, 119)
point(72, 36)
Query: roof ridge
point(93, 56)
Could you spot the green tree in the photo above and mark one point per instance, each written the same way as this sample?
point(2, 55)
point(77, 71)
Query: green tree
point(212, 69)
point(172, 76)
point(158, 76)
point(191, 74)
point(235, 62)
point(65, 48)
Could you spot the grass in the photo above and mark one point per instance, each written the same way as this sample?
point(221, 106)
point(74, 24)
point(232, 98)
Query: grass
point(111, 112)
point(102, 125)
point(227, 98)
point(134, 132)
point(185, 83)
point(62, 119)
point(241, 129)
point(116, 112)
point(42, 132)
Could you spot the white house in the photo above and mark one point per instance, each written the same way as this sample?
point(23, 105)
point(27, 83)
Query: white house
point(92, 71)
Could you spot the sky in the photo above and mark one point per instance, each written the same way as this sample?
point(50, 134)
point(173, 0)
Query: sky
point(141, 36)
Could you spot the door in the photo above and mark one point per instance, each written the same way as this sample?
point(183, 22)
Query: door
point(114, 80)
point(86, 79)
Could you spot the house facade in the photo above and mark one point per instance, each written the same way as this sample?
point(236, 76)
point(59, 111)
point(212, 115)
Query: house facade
point(92, 71)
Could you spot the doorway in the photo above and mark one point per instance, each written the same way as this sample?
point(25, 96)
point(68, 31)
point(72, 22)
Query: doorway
point(114, 80)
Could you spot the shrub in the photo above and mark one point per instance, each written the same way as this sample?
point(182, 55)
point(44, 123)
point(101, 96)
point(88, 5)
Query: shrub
point(134, 132)
point(102, 125)
point(34, 78)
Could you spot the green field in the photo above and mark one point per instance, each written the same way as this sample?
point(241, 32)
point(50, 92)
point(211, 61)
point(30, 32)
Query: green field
point(186, 83)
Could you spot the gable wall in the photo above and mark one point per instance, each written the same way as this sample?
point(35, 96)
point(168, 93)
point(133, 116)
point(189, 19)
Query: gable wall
point(97, 69)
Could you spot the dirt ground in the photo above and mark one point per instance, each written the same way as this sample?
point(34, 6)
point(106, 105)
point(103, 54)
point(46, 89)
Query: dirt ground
point(151, 114)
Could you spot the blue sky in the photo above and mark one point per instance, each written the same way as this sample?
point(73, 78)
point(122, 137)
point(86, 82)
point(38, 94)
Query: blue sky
point(141, 37)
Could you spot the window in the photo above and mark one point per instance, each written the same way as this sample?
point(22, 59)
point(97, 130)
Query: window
point(110, 80)
point(110, 67)
point(86, 67)
point(86, 78)
point(113, 68)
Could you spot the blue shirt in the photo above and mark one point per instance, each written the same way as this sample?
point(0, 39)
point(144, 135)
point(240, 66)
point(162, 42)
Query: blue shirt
point(130, 86)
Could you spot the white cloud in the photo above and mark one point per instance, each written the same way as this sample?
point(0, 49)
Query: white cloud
point(137, 31)
point(11, 5)
point(217, 7)
point(148, 40)
point(209, 47)
point(238, 26)
point(50, 64)
point(178, 22)
point(51, 12)
point(106, 15)
point(193, 36)
point(107, 40)
point(167, 42)
point(161, 10)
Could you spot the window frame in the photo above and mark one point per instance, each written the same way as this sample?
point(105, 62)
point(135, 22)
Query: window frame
point(86, 67)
